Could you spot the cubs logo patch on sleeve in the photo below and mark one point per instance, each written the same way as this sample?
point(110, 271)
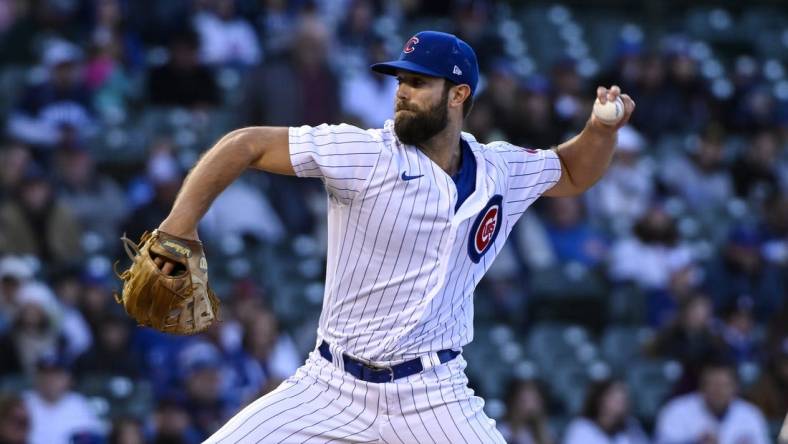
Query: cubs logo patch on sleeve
point(485, 228)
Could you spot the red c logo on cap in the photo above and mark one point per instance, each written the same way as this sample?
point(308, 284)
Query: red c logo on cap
point(409, 46)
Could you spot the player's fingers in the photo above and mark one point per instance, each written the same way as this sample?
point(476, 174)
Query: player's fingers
point(629, 104)
point(167, 268)
point(158, 261)
point(613, 93)
point(601, 94)
point(629, 107)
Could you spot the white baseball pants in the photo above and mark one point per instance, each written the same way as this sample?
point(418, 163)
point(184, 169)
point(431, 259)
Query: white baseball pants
point(322, 404)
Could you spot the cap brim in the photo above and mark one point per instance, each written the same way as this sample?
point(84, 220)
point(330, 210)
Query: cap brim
point(391, 68)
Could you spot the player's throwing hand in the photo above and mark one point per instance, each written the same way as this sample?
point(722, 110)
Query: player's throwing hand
point(612, 109)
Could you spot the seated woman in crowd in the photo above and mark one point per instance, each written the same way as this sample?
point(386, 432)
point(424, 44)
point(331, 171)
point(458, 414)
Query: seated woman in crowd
point(606, 417)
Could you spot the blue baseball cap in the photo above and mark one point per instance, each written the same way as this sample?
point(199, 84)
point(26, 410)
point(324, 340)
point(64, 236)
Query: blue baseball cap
point(436, 54)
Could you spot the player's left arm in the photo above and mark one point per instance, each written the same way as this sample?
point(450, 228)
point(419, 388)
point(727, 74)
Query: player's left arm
point(585, 157)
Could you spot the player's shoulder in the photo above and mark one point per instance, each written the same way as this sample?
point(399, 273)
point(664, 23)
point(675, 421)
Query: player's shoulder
point(507, 149)
point(343, 130)
point(341, 134)
point(499, 150)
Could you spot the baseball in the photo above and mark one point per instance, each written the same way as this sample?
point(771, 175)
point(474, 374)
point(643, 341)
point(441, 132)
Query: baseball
point(609, 113)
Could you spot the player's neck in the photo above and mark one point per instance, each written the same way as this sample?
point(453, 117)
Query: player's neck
point(444, 149)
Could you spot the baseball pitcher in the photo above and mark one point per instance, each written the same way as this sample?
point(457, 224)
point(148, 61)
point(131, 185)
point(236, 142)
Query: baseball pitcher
point(417, 212)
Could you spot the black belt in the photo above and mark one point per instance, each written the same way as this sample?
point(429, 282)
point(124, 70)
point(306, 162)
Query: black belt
point(368, 373)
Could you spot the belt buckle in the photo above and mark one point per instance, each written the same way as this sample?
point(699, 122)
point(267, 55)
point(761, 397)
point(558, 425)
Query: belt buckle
point(377, 368)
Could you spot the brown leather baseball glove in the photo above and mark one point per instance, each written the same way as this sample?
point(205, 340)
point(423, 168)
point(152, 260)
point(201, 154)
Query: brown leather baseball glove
point(181, 302)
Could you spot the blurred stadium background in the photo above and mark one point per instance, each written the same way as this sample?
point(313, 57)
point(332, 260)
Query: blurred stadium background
point(677, 258)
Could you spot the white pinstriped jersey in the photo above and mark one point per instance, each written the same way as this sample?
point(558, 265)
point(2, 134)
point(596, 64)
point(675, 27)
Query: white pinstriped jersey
point(402, 265)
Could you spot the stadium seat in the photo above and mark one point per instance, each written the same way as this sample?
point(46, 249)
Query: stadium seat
point(122, 396)
point(622, 344)
point(15, 383)
point(650, 382)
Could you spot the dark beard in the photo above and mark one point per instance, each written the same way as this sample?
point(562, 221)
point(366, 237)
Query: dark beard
point(419, 127)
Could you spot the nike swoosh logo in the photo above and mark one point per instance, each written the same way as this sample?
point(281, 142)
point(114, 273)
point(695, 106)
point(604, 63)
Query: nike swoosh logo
point(406, 177)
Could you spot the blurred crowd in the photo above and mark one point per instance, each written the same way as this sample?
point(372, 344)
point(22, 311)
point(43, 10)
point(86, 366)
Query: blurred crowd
point(105, 104)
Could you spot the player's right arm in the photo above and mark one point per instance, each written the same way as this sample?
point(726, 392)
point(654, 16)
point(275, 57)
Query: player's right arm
point(342, 156)
point(264, 148)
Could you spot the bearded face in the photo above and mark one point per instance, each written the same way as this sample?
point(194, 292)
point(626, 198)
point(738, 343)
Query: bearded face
point(415, 125)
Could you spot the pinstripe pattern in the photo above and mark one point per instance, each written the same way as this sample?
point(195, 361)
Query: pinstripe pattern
point(400, 282)
point(399, 285)
point(322, 404)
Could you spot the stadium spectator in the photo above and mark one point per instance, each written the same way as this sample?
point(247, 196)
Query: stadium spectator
point(657, 261)
point(95, 199)
point(57, 111)
point(14, 420)
point(700, 177)
point(273, 351)
point(183, 81)
point(654, 255)
point(57, 414)
point(687, 92)
point(14, 160)
point(367, 97)
point(204, 382)
point(755, 171)
point(276, 20)
point(606, 417)
point(738, 332)
point(165, 176)
point(526, 420)
point(172, 424)
point(115, 33)
point(540, 129)
point(754, 108)
point(299, 89)
point(34, 330)
point(775, 246)
point(742, 271)
point(126, 431)
point(713, 414)
point(159, 354)
point(95, 300)
point(115, 59)
point(112, 353)
point(770, 391)
point(626, 192)
point(15, 271)
point(502, 97)
point(74, 328)
point(241, 379)
point(571, 235)
point(481, 122)
point(569, 108)
point(691, 338)
point(258, 221)
point(470, 20)
point(36, 222)
point(658, 115)
point(777, 329)
point(17, 33)
point(356, 30)
point(226, 39)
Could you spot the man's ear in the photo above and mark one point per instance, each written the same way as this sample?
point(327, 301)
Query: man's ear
point(459, 94)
